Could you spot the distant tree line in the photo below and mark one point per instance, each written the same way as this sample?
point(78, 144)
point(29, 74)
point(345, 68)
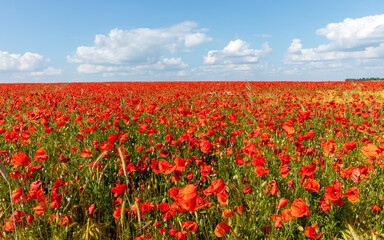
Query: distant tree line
point(364, 79)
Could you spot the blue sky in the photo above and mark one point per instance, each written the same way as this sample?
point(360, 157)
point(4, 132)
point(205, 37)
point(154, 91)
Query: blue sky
point(72, 41)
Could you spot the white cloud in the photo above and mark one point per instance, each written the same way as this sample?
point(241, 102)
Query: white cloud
point(361, 38)
point(138, 49)
point(355, 32)
point(237, 52)
point(196, 39)
point(355, 48)
point(236, 61)
point(50, 71)
point(16, 62)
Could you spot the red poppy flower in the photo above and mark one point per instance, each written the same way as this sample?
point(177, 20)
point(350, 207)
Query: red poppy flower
point(65, 221)
point(91, 209)
point(329, 147)
point(222, 229)
point(180, 164)
point(247, 190)
point(227, 213)
point(166, 167)
point(309, 135)
point(40, 155)
point(287, 215)
point(164, 153)
point(239, 209)
point(376, 208)
point(278, 219)
point(325, 204)
point(222, 197)
point(308, 170)
point(273, 188)
point(284, 158)
point(370, 150)
point(191, 226)
point(265, 137)
point(261, 171)
point(312, 185)
point(40, 208)
point(350, 145)
point(20, 158)
point(299, 208)
point(18, 196)
point(333, 192)
point(290, 183)
point(119, 189)
point(284, 170)
point(146, 207)
point(282, 203)
point(205, 170)
point(187, 197)
point(312, 233)
point(289, 130)
point(117, 213)
point(258, 161)
point(250, 149)
point(216, 187)
point(112, 138)
point(352, 194)
point(205, 146)
point(85, 153)
point(164, 207)
point(239, 161)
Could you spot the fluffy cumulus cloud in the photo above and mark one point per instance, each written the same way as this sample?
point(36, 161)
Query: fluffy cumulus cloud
point(17, 62)
point(50, 71)
point(237, 57)
point(349, 40)
point(29, 63)
point(237, 51)
point(140, 49)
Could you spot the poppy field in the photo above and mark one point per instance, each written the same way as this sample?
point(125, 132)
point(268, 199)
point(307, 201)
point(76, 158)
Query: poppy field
point(192, 160)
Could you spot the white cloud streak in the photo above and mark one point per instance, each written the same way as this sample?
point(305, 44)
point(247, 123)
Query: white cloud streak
point(237, 51)
point(17, 62)
point(361, 38)
point(138, 49)
point(50, 71)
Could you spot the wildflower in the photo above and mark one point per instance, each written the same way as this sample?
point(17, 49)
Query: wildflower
point(312, 233)
point(352, 194)
point(222, 229)
point(299, 208)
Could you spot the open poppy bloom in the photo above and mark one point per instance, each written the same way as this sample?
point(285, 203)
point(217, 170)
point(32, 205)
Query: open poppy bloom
point(282, 203)
point(352, 194)
point(190, 226)
point(333, 193)
point(370, 150)
point(299, 208)
point(215, 188)
point(312, 233)
point(20, 158)
point(261, 171)
point(250, 149)
point(187, 197)
point(222, 229)
point(312, 185)
point(289, 130)
point(205, 146)
point(40, 155)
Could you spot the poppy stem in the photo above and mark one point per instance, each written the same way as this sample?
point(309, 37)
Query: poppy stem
point(13, 215)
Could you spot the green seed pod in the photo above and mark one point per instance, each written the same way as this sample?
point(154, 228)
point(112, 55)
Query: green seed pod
point(300, 228)
point(264, 184)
